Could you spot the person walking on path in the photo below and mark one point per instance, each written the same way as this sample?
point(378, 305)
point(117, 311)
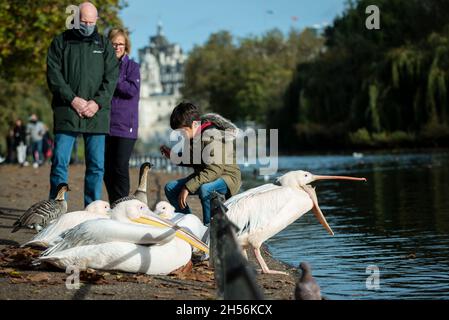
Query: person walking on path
point(36, 132)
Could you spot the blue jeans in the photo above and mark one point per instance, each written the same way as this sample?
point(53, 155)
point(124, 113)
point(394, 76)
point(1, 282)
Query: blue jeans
point(173, 189)
point(36, 150)
point(94, 155)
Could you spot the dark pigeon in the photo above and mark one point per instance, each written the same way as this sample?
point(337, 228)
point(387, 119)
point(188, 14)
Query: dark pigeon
point(307, 288)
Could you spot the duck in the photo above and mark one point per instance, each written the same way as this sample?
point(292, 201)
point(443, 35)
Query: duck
point(40, 214)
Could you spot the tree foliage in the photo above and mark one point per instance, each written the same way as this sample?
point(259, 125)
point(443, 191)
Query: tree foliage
point(388, 83)
point(27, 28)
point(351, 86)
point(245, 79)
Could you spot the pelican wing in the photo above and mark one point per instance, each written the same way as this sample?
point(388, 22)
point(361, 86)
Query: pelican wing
point(268, 211)
point(106, 230)
point(250, 193)
point(49, 234)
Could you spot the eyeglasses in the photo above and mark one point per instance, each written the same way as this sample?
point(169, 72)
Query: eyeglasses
point(118, 45)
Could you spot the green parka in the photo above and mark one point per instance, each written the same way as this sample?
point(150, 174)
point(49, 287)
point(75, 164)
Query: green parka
point(217, 159)
point(85, 67)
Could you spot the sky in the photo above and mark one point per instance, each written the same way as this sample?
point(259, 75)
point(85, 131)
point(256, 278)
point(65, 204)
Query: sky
point(190, 22)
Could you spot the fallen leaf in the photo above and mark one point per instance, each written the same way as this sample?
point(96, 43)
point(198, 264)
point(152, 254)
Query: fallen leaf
point(183, 270)
point(6, 270)
point(142, 278)
point(39, 277)
point(15, 274)
point(91, 276)
point(18, 280)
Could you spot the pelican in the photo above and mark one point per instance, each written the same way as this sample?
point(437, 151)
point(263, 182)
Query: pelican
point(133, 240)
point(49, 236)
point(262, 212)
point(141, 191)
point(43, 212)
point(130, 222)
point(127, 257)
point(189, 222)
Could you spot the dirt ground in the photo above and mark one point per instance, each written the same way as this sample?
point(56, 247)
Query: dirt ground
point(21, 187)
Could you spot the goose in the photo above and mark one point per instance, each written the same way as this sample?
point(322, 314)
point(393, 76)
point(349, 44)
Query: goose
point(141, 191)
point(40, 214)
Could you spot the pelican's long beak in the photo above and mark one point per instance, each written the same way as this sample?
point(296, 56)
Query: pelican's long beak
point(316, 208)
point(180, 233)
point(315, 177)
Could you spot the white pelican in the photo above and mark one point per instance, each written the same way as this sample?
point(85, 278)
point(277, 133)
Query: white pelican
point(40, 214)
point(189, 222)
point(262, 212)
point(124, 243)
point(49, 236)
point(127, 257)
point(131, 221)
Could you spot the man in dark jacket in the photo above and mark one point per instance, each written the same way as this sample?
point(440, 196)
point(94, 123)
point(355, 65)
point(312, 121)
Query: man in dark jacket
point(82, 73)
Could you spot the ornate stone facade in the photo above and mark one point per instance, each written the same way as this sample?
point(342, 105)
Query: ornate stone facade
point(162, 77)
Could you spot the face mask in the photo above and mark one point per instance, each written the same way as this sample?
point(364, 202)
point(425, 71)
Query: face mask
point(86, 30)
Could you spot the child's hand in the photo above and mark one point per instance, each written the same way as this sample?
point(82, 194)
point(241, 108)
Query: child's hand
point(182, 198)
point(165, 151)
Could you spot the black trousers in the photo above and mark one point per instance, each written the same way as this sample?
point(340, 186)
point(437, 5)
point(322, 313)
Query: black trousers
point(116, 166)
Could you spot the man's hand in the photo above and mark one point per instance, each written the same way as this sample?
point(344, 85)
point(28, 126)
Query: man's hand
point(91, 109)
point(182, 198)
point(79, 104)
point(165, 151)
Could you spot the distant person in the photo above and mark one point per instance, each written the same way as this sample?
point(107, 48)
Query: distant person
point(124, 119)
point(209, 174)
point(36, 131)
point(20, 142)
point(82, 72)
point(47, 145)
point(10, 148)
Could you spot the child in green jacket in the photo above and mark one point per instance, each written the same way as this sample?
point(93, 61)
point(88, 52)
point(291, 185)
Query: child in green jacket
point(214, 164)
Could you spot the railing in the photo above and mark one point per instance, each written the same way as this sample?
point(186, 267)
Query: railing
point(234, 277)
point(160, 164)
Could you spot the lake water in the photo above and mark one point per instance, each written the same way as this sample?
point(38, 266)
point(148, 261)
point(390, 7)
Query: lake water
point(397, 222)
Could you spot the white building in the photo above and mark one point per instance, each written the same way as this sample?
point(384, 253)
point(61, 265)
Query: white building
point(162, 77)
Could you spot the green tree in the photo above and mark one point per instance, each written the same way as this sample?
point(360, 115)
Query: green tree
point(27, 28)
